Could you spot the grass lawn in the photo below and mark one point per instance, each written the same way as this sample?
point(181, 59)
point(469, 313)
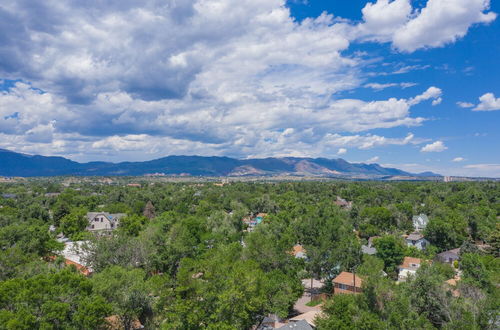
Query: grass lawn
point(314, 303)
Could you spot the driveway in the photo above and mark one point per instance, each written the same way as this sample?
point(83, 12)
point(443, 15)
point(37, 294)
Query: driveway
point(300, 305)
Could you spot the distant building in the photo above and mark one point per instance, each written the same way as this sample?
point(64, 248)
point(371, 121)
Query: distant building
point(417, 240)
point(420, 222)
point(408, 268)
point(449, 256)
point(347, 282)
point(134, 185)
point(103, 221)
point(9, 196)
point(51, 195)
point(343, 203)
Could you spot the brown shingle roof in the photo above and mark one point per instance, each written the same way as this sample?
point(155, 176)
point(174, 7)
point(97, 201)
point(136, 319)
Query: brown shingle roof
point(348, 279)
point(408, 261)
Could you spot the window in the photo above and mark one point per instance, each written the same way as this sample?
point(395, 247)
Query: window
point(92, 226)
point(101, 219)
point(343, 287)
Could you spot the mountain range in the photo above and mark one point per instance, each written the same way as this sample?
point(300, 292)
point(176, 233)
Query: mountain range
point(18, 164)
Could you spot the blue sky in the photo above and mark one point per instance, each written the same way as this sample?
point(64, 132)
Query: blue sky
point(408, 84)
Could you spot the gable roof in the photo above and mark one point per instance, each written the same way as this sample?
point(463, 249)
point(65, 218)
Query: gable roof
point(452, 251)
point(367, 249)
point(408, 261)
point(414, 237)
point(111, 217)
point(348, 279)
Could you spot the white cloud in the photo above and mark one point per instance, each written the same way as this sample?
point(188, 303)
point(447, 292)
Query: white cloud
point(465, 104)
point(431, 93)
point(437, 146)
point(488, 103)
point(437, 101)
point(373, 159)
point(342, 151)
point(458, 159)
point(258, 83)
point(440, 22)
point(379, 87)
point(383, 18)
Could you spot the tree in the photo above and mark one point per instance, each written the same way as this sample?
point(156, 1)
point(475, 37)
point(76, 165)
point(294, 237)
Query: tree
point(75, 222)
point(149, 210)
point(127, 293)
point(132, 224)
point(391, 250)
point(344, 312)
point(446, 233)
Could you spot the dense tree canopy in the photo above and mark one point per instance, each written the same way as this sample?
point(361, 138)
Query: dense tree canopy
point(183, 258)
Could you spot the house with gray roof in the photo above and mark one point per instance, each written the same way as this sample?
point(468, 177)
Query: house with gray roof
point(417, 240)
point(103, 221)
point(449, 256)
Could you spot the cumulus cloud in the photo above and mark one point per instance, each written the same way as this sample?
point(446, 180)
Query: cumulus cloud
point(440, 22)
point(488, 102)
point(163, 77)
point(458, 159)
point(431, 93)
point(373, 159)
point(437, 146)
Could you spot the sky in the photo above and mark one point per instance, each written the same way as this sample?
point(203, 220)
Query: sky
point(412, 84)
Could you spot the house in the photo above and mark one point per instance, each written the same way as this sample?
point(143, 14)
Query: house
point(417, 240)
point(408, 268)
point(137, 185)
point(449, 256)
point(299, 325)
point(347, 282)
point(103, 221)
point(74, 255)
point(343, 203)
point(420, 222)
point(370, 248)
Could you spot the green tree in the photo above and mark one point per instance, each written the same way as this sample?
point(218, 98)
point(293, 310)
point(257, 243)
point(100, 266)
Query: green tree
point(126, 291)
point(391, 250)
point(75, 222)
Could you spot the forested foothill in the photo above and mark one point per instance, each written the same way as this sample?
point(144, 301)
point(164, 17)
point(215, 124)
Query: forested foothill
point(184, 258)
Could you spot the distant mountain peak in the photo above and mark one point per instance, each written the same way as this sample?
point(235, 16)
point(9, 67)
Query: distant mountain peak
point(17, 164)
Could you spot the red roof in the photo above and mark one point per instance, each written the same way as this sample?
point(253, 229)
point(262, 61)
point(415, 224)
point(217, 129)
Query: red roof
point(347, 278)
